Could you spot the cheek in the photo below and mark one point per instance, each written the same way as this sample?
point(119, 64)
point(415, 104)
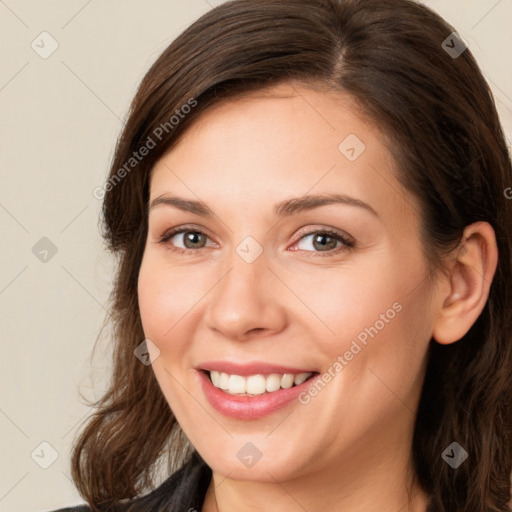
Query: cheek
point(377, 311)
point(352, 300)
point(166, 296)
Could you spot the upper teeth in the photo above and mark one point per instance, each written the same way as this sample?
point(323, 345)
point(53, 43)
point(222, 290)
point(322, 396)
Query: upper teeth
point(256, 384)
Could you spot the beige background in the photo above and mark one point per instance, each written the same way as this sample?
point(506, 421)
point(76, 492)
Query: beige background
point(60, 117)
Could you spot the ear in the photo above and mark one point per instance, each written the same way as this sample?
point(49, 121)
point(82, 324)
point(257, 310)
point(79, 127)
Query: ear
point(465, 288)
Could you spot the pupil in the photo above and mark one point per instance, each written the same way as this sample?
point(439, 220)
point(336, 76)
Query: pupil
point(323, 244)
point(190, 237)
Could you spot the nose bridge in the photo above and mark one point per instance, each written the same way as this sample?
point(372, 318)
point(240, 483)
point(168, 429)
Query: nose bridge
point(242, 300)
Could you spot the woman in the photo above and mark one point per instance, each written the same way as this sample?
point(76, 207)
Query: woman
point(313, 302)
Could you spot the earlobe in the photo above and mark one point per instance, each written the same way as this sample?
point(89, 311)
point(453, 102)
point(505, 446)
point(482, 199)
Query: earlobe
point(471, 271)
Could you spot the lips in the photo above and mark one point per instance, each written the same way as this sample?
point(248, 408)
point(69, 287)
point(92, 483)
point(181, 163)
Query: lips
point(245, 406)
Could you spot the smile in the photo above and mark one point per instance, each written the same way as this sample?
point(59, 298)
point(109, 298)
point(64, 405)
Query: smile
point(254, 385)
point(252, 391)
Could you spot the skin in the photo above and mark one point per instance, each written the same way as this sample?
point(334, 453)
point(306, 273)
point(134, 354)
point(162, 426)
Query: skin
point(349, 448)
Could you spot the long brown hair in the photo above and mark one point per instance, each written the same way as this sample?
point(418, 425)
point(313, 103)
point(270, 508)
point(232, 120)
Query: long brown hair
point(444, 133)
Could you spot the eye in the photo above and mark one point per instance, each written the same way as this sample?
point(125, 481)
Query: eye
point(192, 239)
point(322, 241)
point(325, 241)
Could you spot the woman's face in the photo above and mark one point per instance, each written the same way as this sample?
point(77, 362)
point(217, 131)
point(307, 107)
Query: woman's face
point(263, 291)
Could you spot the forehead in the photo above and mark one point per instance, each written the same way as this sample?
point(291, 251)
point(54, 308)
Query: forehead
point(280, 142)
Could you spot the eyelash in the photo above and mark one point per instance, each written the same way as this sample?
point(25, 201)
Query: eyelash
point(348, 243)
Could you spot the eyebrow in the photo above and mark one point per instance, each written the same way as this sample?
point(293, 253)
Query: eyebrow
point(285, 208)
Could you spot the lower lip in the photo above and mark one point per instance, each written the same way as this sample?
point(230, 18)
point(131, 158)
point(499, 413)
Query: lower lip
point(249, 407)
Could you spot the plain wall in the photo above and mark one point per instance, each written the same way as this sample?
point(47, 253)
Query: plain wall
point(60, 117)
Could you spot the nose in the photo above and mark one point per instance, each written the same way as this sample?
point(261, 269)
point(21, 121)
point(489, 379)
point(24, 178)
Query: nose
point(247, 299)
